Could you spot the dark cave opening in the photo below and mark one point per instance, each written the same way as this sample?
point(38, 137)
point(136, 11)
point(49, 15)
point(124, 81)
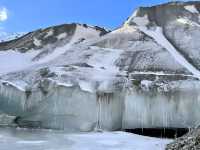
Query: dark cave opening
point(170, 133)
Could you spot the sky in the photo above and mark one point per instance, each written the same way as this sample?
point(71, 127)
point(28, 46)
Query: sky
point(28, 15)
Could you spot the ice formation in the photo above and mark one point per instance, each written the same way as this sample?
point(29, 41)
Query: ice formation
point(83, 78)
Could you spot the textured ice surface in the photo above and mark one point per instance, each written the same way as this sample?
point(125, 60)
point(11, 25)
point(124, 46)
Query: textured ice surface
point(174, 106)
point(22, 139)
point(63, 107)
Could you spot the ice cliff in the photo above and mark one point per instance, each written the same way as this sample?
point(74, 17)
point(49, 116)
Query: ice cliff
point(77, 77)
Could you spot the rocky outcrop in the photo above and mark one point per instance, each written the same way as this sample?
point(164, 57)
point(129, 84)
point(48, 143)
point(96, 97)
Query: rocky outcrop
point(190, 141)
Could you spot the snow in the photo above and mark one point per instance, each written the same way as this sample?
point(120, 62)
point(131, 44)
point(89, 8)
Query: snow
point(160, 73)
point(125, 29)
point(86, 86)
point(81, 32)
point(49, 33)
point(188, 22)
point(159, 37)
point(99, 74)
point(86, 33)
point(133, 16)
point(22, 139)
point(109, 58)
point(146, 84)
point(87, 78)
point(141, 21)
point(11, 61)
point(157, 34)
point(101, 71)
point(62, 36)
point(20, 85)
point(64, 84)
point(191, 8)
point(184, 21)
point(37, 42)
point(56, 53)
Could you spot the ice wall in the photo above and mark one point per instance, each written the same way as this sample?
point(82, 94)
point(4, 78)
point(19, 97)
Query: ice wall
point(12, 100)
point(71, 109)
point(60, 107)
point(176, 107)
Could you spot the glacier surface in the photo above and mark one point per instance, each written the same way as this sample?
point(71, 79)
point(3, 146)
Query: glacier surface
point(23, 139)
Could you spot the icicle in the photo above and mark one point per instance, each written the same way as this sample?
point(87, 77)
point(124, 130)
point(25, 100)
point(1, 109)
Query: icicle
point(109, 114)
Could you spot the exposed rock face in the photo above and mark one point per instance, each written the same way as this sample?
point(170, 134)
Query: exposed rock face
point(51, 37)
point(76, 77)
point(177, 20)
point(190, 141)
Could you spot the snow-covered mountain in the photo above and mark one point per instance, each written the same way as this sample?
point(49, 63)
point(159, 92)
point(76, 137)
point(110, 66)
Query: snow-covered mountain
point(145, 74)
point(4, 36)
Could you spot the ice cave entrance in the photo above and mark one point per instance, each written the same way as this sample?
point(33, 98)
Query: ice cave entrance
point(170, 133)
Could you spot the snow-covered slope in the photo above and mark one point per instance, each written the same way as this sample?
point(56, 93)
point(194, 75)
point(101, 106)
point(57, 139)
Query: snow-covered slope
point(179, 23)
point(156, 33)
point(43, 46)
point(81, 78)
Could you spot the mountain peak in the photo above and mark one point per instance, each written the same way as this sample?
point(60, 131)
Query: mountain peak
point(55, 35)
point(163, 13)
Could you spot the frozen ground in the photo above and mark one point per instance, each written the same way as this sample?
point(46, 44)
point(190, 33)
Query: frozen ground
point(24, 139)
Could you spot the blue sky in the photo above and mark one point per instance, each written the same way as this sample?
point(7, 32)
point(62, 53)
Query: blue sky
point(28, 15)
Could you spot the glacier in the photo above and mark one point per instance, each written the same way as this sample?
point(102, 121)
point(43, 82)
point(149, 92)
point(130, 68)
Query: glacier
point(77, 77)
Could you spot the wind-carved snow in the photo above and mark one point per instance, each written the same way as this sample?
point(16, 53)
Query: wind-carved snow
point(191, 8)
point(157, 34)
point(188, 22)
